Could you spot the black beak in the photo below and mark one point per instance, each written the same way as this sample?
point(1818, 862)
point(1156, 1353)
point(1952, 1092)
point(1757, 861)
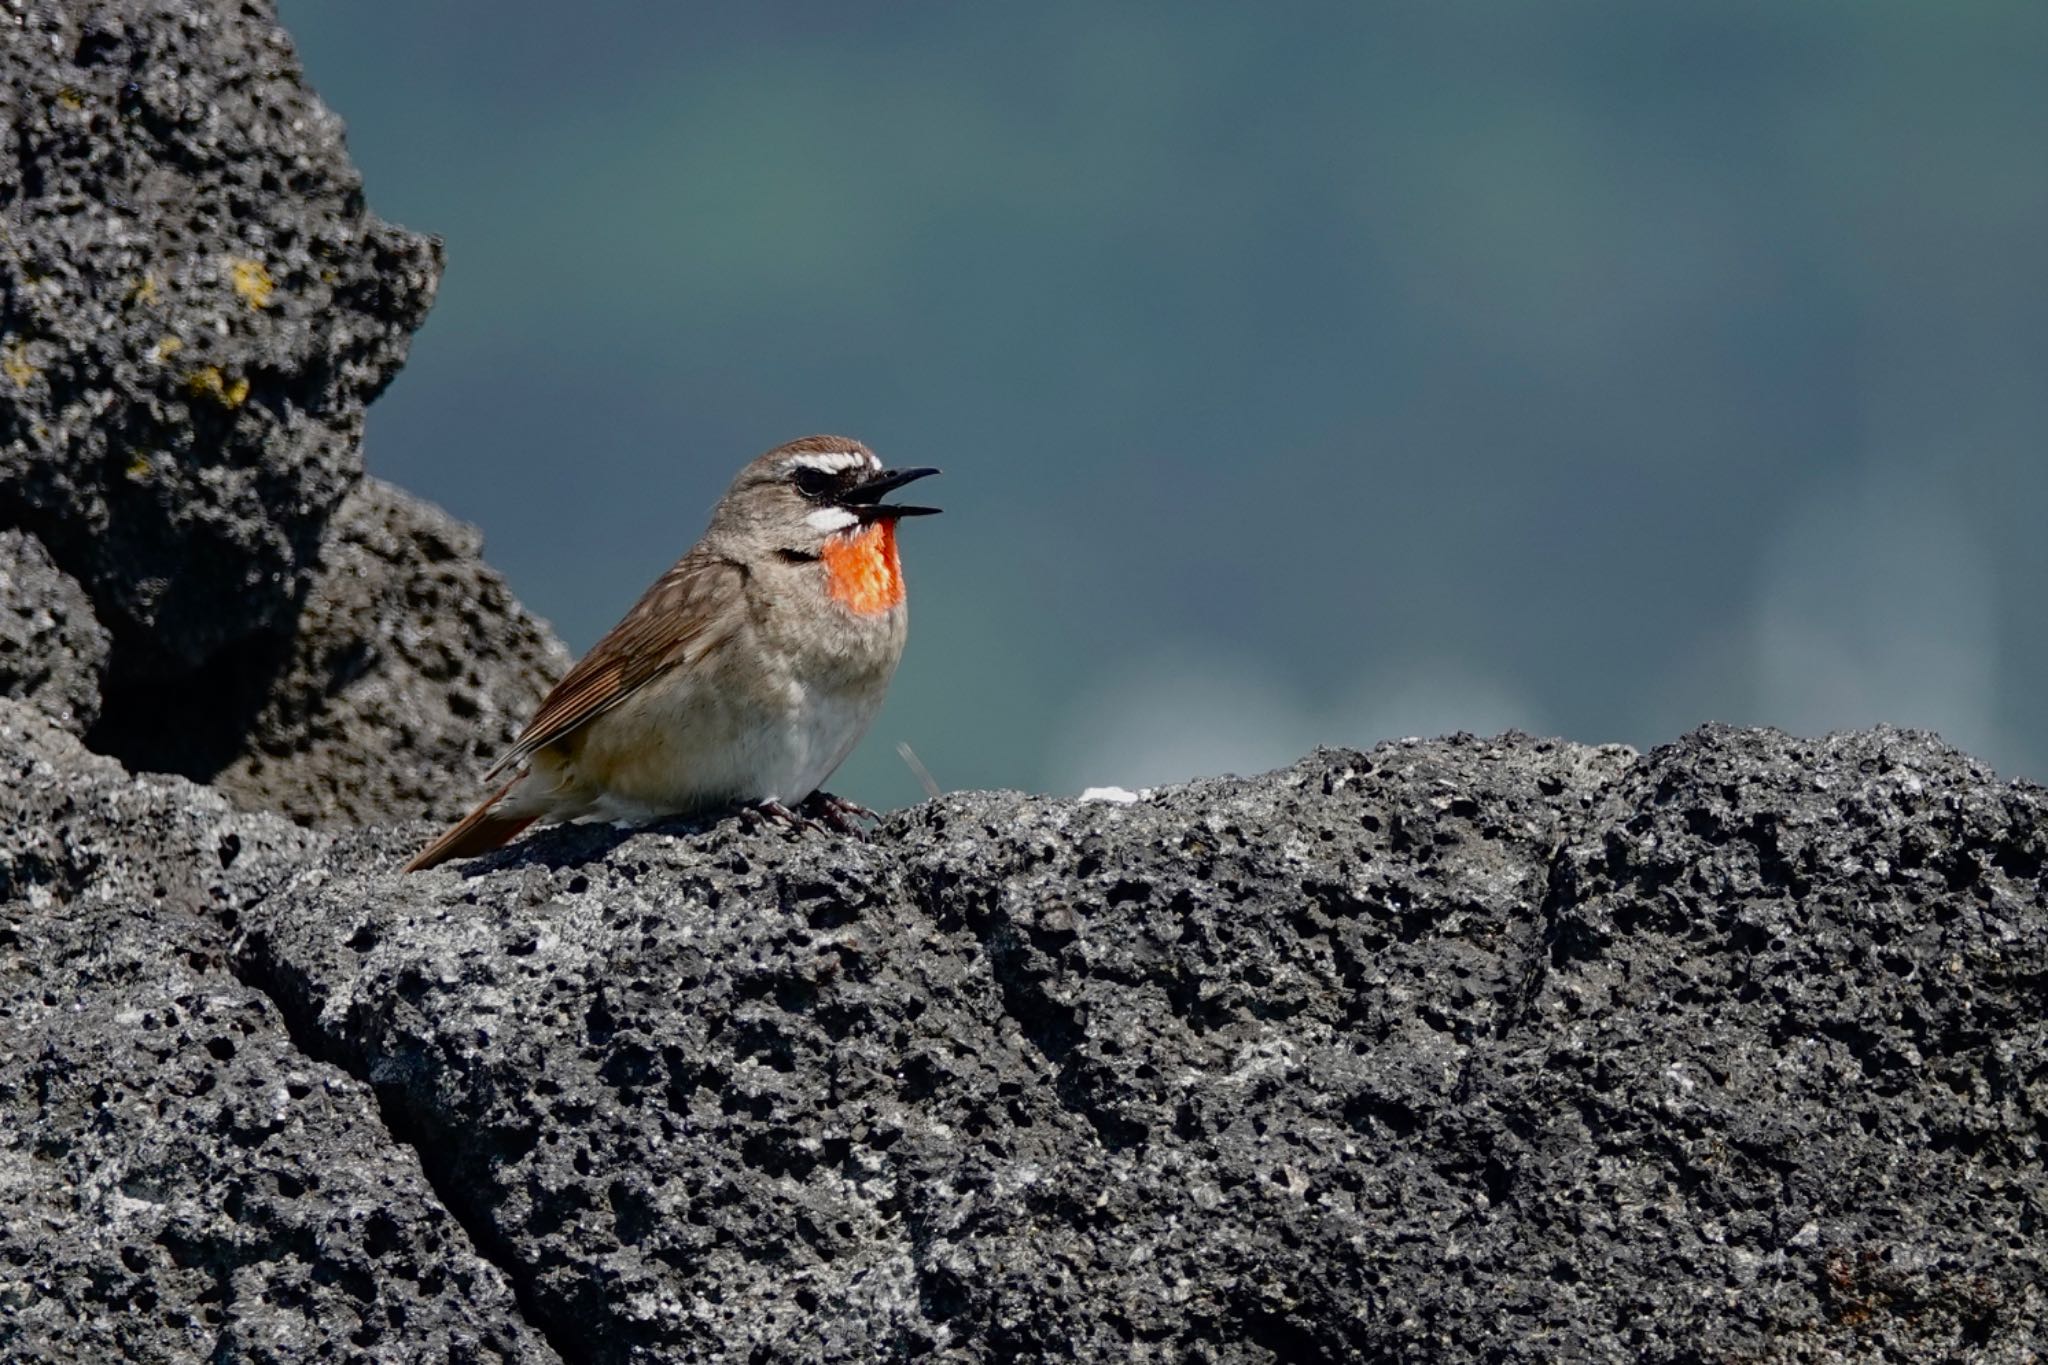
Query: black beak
point(865, 499)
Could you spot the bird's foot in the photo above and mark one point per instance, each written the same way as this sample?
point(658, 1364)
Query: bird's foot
point(758, 815)
point(838, 813)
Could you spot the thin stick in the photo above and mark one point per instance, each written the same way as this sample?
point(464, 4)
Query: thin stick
point(918, 770)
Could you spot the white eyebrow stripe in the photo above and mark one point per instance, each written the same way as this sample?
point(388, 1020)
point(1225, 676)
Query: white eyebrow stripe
point(830, 519)
point(835, 461)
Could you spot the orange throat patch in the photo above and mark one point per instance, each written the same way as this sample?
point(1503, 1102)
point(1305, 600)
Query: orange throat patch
point(862, 572)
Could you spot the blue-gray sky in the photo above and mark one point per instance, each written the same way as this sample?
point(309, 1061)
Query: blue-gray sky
point(1320, 373)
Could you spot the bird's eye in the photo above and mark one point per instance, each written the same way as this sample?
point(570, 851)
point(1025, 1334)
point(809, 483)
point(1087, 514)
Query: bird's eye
point(812, 483)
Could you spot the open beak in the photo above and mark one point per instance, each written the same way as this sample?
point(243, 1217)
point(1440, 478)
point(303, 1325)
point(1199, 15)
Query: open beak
point(865, 499)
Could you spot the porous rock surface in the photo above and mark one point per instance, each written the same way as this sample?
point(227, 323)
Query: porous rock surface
point(1463, 1050)
point(53, 651)
point(1506, 1050)
point(178, 1180)
point(411, 670)
point(195, 307)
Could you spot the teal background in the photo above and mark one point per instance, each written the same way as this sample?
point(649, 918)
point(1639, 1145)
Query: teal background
point(1301, 373)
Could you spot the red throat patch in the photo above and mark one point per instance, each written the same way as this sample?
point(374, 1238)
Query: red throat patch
point(862, 572)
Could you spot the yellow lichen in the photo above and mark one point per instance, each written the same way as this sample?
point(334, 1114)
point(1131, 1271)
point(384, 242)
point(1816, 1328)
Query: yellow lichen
point(70, 98)
point(168, 346)
point(143, 291)
point(209, 382)
point(251, 280)
point(138, 465)
point(14, 361)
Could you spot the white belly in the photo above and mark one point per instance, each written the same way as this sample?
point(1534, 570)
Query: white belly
point(798, 755)
point(682, 749)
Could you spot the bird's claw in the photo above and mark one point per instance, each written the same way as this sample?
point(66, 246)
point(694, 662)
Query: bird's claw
point(838, 813)
point(820, 812)
point(759, 815)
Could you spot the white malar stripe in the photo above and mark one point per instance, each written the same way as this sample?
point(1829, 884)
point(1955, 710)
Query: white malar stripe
point(835, 461)
point(830, 519)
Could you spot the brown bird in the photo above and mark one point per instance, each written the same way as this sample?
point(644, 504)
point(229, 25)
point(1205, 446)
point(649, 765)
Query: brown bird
point(743, 677)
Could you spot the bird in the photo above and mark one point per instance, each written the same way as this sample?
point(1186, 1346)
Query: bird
point(743, 676)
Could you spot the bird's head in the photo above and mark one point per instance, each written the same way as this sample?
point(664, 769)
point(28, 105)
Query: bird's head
point(822, 501)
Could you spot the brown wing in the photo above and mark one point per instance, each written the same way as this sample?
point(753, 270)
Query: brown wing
point(688, 612)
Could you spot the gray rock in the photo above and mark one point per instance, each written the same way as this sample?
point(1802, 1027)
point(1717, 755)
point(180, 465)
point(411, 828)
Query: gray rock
point(1468, 1050)
point(1464, 1050)
point(179, 1181)
point(411, 670)
point(1787, 1043)
point(53, 652)
point(195, 307)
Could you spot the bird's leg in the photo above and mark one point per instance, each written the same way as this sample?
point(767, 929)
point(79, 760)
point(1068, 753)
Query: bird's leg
point(758, 815)
point(839, 813)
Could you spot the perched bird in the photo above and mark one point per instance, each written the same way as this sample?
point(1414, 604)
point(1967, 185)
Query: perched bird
point(743, 677)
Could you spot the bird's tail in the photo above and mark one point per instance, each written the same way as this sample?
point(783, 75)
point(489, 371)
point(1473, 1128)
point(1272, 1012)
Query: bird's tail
point(480, 831)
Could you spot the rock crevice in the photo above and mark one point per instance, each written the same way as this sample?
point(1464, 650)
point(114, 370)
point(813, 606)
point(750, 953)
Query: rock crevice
point(411, 1132)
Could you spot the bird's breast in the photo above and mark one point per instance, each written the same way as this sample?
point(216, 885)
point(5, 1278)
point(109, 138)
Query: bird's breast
point(862, 572)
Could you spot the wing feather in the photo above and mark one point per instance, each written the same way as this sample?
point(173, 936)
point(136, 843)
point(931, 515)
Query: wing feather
point(688, 612)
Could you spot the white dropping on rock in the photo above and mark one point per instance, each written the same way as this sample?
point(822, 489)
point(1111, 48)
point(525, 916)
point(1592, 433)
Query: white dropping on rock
point(1113, 795)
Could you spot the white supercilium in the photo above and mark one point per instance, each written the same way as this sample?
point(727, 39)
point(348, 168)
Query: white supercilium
point(835, 461)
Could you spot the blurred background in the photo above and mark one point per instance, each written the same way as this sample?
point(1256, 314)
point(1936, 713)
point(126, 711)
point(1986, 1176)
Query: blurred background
point(1304, 374)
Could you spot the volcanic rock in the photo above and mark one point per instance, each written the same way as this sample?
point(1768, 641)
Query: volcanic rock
point(1509, 1050)
point(178, 1179)
point(53, 651)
